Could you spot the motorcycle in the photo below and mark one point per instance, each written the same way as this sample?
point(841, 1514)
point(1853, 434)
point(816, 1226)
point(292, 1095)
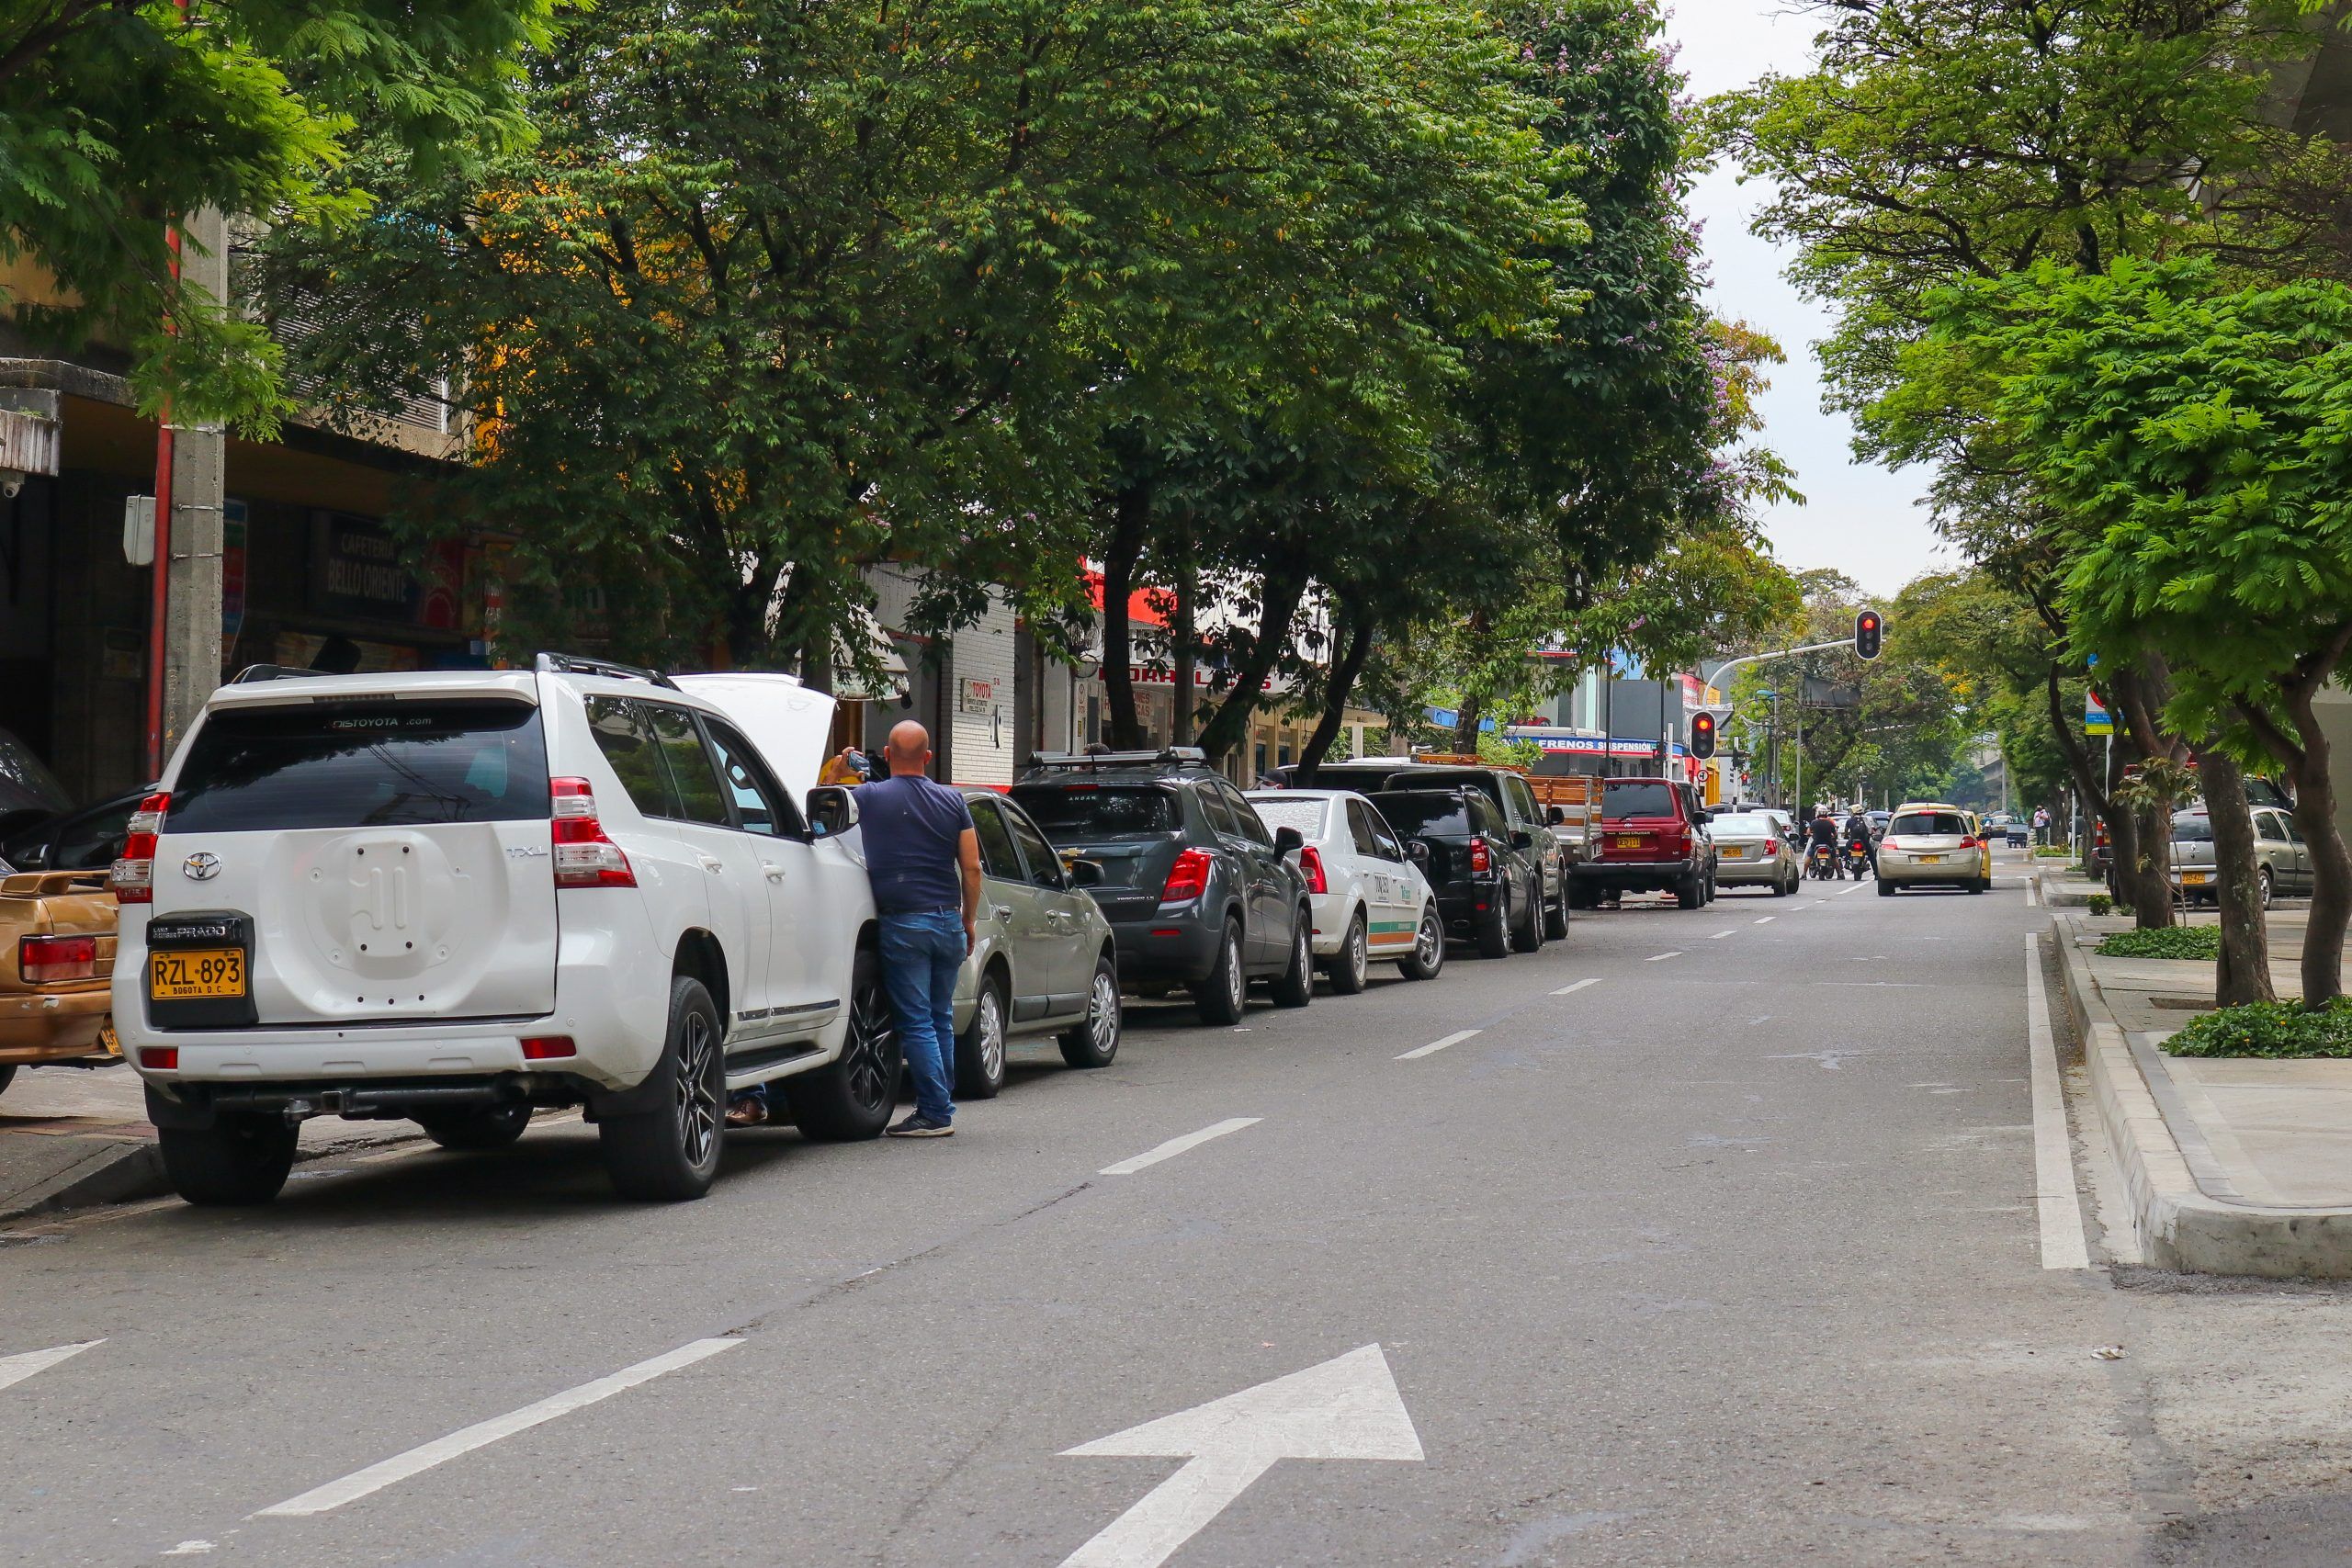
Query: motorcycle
point(1858, 858)
point(1823, 866)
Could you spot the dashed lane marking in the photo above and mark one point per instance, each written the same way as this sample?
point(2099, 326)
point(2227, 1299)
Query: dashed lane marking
point(1764, 919)
point(1175, 1146)
point(1434, 1046)
point(400, 1467)
point(1662, 957)
point(1578, 986)
point(1720, 935)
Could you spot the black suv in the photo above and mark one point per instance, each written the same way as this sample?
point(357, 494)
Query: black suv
point(1509, 790)
point(1486, 884)
point(1198, 891)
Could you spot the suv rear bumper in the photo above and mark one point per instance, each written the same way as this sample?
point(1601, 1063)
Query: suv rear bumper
point(1180, 946)
point(1634, 877)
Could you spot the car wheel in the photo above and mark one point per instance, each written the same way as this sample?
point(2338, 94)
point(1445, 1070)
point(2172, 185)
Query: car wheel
point(1885, 889)
point(240, 1160)
point(1527, 931)
point(1095, 1041)
point(2262, 877)
point(1494, 930)
point(1583, 897)
point(1784, 888)
point(1429, 948)
point(851, 1098)
point(6, 1075)
point(670, 1152)
point(1225, 992)
point(1295, 987)
point(979, 1050)
point(491, 1127)
point(1353, 965)
point(1687, 893)
point(1556, 918)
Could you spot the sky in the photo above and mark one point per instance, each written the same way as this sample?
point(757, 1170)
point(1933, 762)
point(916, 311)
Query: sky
point(1859, 518)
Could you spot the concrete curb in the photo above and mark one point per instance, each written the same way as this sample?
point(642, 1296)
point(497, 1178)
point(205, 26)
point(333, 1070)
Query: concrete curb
point(2179, 1224)
point(2059, 892)
point(117, 1172)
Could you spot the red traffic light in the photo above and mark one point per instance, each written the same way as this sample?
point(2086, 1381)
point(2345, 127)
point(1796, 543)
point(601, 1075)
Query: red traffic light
point(1870, 632)
point(1702, 735)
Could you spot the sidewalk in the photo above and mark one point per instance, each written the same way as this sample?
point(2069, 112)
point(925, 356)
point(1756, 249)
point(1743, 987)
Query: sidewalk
point(2233, 1166)
point(73, 1138)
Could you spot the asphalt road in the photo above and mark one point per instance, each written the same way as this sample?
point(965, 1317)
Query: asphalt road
point(1730, 1256)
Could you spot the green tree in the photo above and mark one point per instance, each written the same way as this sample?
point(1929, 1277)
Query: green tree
point(118, 115)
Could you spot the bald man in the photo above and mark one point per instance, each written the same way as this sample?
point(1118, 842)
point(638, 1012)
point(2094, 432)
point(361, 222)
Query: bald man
point(924, 863)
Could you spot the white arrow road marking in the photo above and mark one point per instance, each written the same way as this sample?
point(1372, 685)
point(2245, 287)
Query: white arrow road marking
point(18, 1368)
point(1569, 990)
point(400, 1467)
point(1175, 1146)
point(1346, 1408)
point(1434, 1046)
point(2064, 1245)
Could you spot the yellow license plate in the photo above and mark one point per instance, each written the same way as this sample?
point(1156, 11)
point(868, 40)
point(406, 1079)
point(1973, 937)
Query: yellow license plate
point(1629, 841)
point(196, 974)
point(1931, 860)
point(2192, 876)
point(1734, 855)
point(108, 1040)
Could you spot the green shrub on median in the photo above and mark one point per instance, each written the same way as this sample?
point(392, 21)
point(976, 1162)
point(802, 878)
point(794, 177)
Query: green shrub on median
point(2100, 904)
point(2268, 1029)
point(2165, 941)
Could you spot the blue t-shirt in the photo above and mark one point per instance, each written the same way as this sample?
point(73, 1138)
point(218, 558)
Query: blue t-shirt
point(911, 828)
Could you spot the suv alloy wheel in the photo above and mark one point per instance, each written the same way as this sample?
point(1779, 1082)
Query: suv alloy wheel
point(1527, 931)
point(242, 1158)
point(1095, 1041)
point(1222, 997)
point(979, 1050)
point(1295, 986)
point(853, 1098)
point(670, 1152)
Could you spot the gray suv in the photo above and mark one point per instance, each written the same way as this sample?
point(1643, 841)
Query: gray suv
point(1198, 891)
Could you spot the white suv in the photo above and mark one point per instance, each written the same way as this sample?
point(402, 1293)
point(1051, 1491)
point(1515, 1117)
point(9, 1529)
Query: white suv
point(455, 897)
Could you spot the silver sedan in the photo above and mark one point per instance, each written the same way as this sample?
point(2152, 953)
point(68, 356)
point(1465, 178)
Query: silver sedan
point(1749, 848)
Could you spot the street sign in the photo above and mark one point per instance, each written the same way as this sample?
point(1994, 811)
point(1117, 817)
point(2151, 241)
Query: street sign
point(1346, 1407)
point(2097, 720)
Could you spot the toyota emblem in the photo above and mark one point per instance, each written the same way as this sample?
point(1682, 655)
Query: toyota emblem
point(201, 866)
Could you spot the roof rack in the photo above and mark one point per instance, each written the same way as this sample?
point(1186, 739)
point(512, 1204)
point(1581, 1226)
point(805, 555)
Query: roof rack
point(580, 664)
point(251, 672)
point(1103, 756)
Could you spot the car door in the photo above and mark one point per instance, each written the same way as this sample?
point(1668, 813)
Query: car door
point(800, 999)
point(1394, 916)
point(2306, 867)
point(1234, 856)
point(2272, 848)
point(1527, 817)
point(737, 886)
point(1009, 922)
point(1065, 959)
point(1273, 912)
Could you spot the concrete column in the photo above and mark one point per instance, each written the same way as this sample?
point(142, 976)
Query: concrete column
point(199, 472)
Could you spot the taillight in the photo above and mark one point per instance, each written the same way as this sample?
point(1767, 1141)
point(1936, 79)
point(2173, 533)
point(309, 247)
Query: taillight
point(584, 857)
point(1188, 878)
point(1310, 861)
point(548, 1047)
point(1480, 861)
point(161, 1058)
point(44, 958)
point(1967, 843)
point(133, 875)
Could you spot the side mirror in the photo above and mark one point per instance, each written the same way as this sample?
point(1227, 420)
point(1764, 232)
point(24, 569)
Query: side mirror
point(1289, 841)
point(1417, 852)
point(1521, 840)
point(1086, 872)
point(1554, 817)
point(831, 811)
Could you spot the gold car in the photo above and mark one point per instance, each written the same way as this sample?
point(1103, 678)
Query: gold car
point(57, 930)
point(1930, 844)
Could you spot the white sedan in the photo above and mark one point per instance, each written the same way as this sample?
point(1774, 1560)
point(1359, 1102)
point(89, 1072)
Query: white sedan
point(1370, 900)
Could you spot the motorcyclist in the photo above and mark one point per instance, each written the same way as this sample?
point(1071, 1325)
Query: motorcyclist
point(1822, 832)
point(1858, 835)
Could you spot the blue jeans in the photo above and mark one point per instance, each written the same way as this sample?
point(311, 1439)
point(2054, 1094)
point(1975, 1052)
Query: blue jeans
point(922, 956)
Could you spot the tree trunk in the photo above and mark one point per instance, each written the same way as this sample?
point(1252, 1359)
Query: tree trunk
point(1336, 689)
point(2331, 912)
point(1466, 719)
point(1277, 607)
point(2243, 972)
point(1129, 523)
point(2139, 695)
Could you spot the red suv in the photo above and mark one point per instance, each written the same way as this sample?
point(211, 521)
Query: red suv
point(1653, 840)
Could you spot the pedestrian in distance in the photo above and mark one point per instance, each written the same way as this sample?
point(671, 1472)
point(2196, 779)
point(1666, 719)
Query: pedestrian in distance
point(924, 860)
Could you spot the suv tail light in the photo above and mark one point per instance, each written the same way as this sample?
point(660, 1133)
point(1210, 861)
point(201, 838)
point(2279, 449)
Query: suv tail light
point(584, 857)
point(44, 958)
point(133, 875)
point(1310, 861)
point(1481, 861)
point(1188, 878)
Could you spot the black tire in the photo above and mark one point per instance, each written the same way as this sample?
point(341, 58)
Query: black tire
point(1527, 929)
point(1982, 884)
point(852, 1098)
point(1353, 965)
point(1222, 996)
point(8, 1074)
point(979, 1050)
point(240, 1159)
point(491, 1127)
point(1429, 948)
point(1783, 888)
point(1095, 1043)
point(1885, 888)
point(1494, 932)
point(1687, 893)
point(670, 1154)
point(1555, 917)
point(1295, 986)
point(2262, 877)
point(1583, 897)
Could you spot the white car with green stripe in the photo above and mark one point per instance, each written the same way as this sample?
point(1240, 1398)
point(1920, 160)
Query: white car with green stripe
point(1371, 903)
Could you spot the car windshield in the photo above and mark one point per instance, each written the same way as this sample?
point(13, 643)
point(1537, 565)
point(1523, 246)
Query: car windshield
point(2193, 828)
point(1927, 825)
point(1743, 828)
point(1413, 813)
point(1079, 810)
point(1276, 812)
point(1633, 797)
point(377, 764)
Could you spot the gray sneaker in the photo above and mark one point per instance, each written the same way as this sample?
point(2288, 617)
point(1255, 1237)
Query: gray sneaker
point(921, 1127)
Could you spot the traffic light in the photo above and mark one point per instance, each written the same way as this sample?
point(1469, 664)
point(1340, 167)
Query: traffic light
point(1870, 630)
point(1702, 735)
